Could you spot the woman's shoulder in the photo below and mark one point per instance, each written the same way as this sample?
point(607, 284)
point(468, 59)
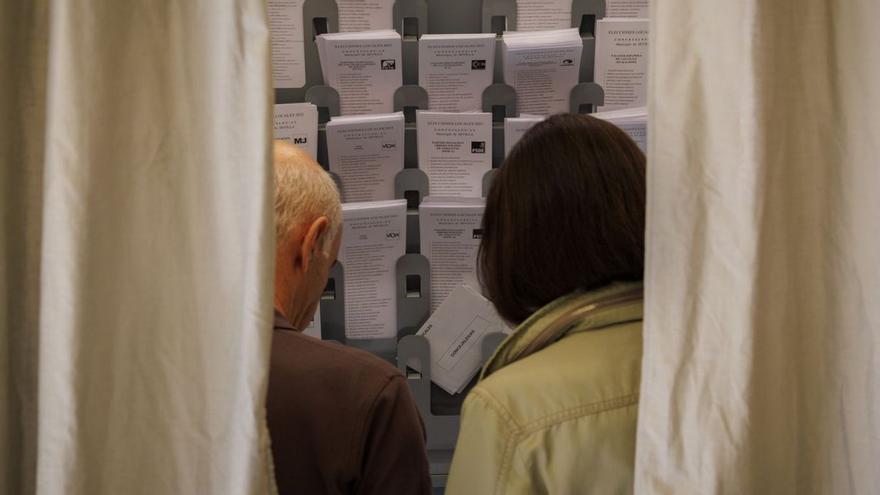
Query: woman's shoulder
point(582, 374)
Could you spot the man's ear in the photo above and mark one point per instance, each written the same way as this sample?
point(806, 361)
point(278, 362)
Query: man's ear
point(313, 240)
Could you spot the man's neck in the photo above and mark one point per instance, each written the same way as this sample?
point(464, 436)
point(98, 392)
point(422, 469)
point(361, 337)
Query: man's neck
point(284, 293)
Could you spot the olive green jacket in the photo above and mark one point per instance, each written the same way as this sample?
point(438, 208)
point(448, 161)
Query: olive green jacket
point(555, 409)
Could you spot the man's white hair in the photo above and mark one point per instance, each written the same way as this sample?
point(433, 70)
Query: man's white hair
point(303, 192)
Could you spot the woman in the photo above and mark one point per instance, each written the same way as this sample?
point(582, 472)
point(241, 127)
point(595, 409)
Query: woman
point(562, 258)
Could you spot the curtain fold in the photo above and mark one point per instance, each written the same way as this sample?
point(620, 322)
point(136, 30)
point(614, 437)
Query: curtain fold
point(23, 54)
point(138, 247)
point(761, 371)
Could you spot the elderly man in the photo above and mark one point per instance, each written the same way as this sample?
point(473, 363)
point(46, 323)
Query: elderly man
point(340, 419)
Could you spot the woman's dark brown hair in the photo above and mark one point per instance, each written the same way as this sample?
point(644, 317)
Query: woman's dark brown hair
point(566, 211)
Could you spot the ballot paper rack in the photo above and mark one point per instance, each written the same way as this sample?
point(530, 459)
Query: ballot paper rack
point(440, 410)
point(410, 20)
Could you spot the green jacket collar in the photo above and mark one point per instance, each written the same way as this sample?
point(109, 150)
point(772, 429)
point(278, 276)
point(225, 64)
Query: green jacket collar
point(577, 312)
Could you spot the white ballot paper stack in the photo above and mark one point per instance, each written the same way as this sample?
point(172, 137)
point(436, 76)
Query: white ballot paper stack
point(364, 67)
point(455, 332)
point(543, 67)
point(515, 127)
point(366, 152)
point(297, 123)
point(450, 230)
point(634, 121)
point(622, 62)
point(626, 8)
point(455, 151)
point(373, 238)
point(364, 15)
point(288, 49)
point(536, 15)
point(455, 69)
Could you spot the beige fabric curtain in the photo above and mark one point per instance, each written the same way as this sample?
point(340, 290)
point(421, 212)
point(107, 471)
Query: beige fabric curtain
point(136, 244)
point(762, 339)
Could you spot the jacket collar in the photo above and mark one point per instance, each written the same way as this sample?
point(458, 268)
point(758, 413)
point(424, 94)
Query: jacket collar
point(577, 312)
point(281, 322)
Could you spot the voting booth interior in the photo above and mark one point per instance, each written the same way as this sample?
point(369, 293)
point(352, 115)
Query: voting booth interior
point(415, 21)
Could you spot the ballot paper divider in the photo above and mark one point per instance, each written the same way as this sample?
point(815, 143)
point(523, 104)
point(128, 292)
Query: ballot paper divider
point(333, 305)
point(586, 97)
point(409, 99)
point(499, 99)
point(411, 184)
point(410, 20)
point(584, 14)
point(413, 293)
point(440, 410)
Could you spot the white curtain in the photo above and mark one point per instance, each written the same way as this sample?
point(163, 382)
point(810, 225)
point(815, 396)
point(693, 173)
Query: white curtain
point(136, 242)
point(762, 339)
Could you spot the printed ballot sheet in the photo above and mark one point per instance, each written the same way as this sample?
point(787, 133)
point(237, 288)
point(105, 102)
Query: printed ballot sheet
point(364, 68)
point(297, 123)
point(288, 49)
point(455, 151)
point(455, 69)
point(373, 238)
point(622, 62)
point(515, 127)
point(364, 15)
point(626, 8)
point(633, 121)
point(450, 230)
point(540, 15)
point(366, 152)
point(543, 67)
point(455, 332)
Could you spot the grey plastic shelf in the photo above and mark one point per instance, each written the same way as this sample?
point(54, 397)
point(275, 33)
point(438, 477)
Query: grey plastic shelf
point(499, 16)
point(585, 97)
point(409, 99)
point(333, 305)
point(500, 101)
point(411, 21)
point(413, 293)
point(584, 14)
point(411, 184)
